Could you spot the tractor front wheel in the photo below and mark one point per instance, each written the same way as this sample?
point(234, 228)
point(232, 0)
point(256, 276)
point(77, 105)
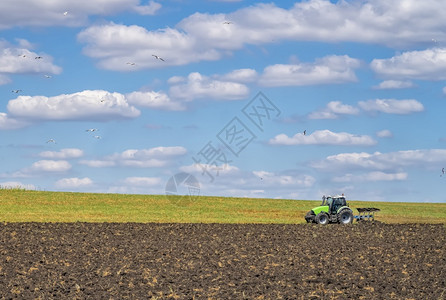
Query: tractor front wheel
point(322, 218)
point(345, 216)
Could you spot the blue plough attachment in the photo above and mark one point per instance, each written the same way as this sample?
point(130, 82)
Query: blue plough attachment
point(367, 214)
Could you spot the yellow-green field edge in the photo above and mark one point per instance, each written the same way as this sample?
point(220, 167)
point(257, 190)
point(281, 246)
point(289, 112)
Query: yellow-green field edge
point(18, 205)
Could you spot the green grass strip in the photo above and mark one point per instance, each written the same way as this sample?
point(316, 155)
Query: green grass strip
point(18, 205)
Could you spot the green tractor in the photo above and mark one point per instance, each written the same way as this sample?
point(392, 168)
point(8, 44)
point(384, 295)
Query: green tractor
point(334, 209)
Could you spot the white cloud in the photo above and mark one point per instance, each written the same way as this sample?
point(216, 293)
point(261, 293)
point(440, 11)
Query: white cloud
point(7, 123)
point(138, 158)
point(51, 166)
point(16, 184)
point(204, 36)
point(198, 86)
point(40, 168)
point(371, 176)
point(4, 79)
point(427, 64)
point(96, 105)
point(394, 84)
point(373, 21)
point(391, 161)
point(385, 133)
point(240, 75)
point(98, 163)
point(273, 179)
point(323, 137)
point(18, 59)
point(23, 12)
point(327, 70)
point(149, 9)
point(73, 182)
point(15, 60)
point(215, 170)
point(62, 154)
point(155, 100)
point(392, 106)
point(333, 110)
point(115, 45)
point(143, 181)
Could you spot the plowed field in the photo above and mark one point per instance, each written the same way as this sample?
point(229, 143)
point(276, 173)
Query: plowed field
point(221, 261)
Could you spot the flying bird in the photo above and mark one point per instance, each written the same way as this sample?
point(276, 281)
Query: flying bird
point(91, 130)
point(227, 22)
point(157, 57)
point(16, 91)
point(38, 57)
point(305, 132)
point(131, 63)
point(442, 172)
point(65, 13)
point(97, 137)
point(47, 76)
point(51, 141)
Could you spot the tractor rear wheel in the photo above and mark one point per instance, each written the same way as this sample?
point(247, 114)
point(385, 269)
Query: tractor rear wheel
point(345, 216)
point(322, 218)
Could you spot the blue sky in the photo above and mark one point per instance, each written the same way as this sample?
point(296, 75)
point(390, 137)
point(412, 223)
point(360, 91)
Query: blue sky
point(117, 96)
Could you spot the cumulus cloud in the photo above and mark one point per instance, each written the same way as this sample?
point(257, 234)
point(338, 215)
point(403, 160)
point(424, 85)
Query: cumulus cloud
point(155, 100)
point(23, 12)
point(96, 105)
point(392, 106)
point(8, 123)
point(49, 166)
point(39, 168)
point(427, 64)
point(274, 179)
point(14, 60)
point(138, 158)
point(213, 169)
point(429, 158)
point(394, 84)
point(385, 133)
point(143, 181)
point(147, 10)
point(333, 110)
point(373, 21)
point(327, 70)
point(73, 182)
point(115, 45)
point(197, 86)
point(204, 36)
point(62, 154)
point(323, 137)
point(16, 185)
point(240, 75)
point(4, 79)
point(19, 59)
point(371, 176)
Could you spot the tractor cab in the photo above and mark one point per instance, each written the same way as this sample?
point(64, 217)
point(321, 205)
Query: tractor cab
point(334, 202)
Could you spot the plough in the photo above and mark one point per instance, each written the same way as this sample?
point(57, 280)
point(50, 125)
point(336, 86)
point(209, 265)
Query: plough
point(366, 214)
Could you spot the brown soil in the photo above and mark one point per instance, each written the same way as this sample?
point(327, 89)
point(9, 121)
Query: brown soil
point(221, 261)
